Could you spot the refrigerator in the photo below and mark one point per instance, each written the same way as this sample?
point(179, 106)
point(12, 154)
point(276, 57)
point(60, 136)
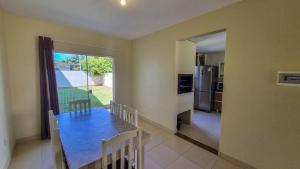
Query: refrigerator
point(205, 85)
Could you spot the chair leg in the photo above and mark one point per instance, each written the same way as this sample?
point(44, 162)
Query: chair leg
point(136, 159)
point(141, 151)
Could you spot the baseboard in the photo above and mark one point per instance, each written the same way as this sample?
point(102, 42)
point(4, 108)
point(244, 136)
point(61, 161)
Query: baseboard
point(26, 139)
point(236, 161)
point(197, 143)
point(157, 124)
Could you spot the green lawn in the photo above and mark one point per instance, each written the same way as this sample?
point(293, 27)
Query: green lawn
point(101, 95)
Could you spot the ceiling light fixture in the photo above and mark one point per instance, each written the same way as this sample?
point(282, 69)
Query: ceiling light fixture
point(123, 2)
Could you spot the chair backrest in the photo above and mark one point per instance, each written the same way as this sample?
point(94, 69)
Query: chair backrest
point(81, 105)
point(57, 155)
point(130, 115)
point(127, 143)
point(116, 109)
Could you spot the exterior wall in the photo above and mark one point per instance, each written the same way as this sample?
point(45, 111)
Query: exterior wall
point(108, 80)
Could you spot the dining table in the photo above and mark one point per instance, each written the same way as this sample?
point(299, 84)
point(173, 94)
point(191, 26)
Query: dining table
point(82, 134)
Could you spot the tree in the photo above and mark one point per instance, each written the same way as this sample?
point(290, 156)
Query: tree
point(97, 65)
point(72, 59)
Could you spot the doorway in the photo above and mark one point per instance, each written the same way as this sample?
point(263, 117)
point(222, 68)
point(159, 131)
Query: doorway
point(205, 124)
point(83, 77)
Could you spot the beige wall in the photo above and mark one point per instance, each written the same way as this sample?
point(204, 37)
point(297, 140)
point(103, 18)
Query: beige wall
point(21, 43)
point(6, 131)
point(260, 120)
point(154, 93)
point(185, 64)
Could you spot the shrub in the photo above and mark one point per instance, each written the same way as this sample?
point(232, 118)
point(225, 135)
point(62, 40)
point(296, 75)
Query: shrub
point(97, 65)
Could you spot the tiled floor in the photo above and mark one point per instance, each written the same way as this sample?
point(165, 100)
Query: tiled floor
point(205, 128)
point(163, 150)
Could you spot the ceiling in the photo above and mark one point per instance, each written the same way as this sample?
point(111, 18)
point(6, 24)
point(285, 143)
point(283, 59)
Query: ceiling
point(138, 18)
point(210, 43)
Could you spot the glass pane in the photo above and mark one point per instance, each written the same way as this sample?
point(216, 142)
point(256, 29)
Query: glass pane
point(100, 81)
point(71, 79)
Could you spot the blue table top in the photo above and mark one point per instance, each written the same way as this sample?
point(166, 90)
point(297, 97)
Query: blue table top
point(82, 134)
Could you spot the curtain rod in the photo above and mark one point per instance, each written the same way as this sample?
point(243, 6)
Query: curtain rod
point(87, 45)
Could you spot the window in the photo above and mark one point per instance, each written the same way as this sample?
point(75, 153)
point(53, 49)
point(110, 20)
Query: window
point(83, 77)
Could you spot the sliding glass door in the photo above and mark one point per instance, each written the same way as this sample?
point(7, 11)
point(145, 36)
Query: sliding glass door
point(83, 77)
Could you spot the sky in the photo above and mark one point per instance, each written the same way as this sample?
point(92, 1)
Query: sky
point(62, 56)
point(58, 57)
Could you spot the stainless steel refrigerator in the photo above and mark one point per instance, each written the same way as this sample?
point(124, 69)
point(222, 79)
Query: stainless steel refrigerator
point(205, 85)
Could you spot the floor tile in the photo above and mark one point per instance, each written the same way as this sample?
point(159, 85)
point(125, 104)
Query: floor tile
point(205, 128)
point(156, 139)
point(163, 156)
point(27, 156)
point(223, 164)
point(183, 163)
point(177, 144)
point(47, 161)
point(149, 164)
point(201, 157)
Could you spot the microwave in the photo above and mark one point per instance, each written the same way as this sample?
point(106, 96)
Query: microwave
point(220, 86)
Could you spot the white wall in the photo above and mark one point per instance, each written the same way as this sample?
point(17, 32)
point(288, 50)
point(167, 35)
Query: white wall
point(6, 131)
point(70, 78)
point(185, 64)
point(215, 58)
point(22, 60)
point(260, 120)
point(108, 79)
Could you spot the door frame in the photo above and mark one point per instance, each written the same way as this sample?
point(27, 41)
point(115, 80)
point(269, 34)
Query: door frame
point(208, 148)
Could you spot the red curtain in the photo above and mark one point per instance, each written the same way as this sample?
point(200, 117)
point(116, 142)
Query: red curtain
point(48, 87)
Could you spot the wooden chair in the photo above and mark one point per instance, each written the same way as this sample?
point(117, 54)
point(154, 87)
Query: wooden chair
point(130, 115)
point(126, 143)
point(57, 154)
point(83, 104)
point(116, 109)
